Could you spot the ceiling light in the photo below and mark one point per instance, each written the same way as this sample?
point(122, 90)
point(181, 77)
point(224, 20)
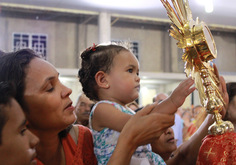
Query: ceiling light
point(121, 4)
point(209, 6)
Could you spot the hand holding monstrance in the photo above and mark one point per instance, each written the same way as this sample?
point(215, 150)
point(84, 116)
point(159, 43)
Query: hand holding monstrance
point(199, 49)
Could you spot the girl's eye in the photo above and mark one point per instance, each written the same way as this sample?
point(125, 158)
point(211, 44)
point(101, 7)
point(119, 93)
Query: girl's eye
point(130, 70)
point(138, 74)
point(22, 132)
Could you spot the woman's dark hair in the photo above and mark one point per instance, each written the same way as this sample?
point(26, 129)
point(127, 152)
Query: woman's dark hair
point(231, 90)
point(94, 59)
point(13, 68)
point(7, 93)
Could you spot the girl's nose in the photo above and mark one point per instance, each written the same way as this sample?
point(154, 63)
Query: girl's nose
point(138, 79)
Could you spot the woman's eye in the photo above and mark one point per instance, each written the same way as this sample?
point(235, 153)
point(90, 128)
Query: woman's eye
point(22, 132)
point(50, 90)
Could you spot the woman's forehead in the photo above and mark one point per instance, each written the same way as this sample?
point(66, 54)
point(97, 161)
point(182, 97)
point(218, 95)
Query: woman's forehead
point(37, 72)
point(40, 67)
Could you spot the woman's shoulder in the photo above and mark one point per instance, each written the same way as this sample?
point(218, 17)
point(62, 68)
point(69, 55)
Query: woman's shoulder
point(81, 129)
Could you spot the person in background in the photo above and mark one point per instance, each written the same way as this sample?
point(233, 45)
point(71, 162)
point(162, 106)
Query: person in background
point(17, 143)
point(186, 117)
point(165, 145)
point(231, 110)
point(178, 126)
point(82, 109)
point(199, 115)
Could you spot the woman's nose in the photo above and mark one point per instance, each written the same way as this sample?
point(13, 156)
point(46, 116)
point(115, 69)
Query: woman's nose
point(169, 131)
point(65, 91)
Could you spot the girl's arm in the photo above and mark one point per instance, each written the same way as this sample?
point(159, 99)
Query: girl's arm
point(141, 129)
point(106, 115)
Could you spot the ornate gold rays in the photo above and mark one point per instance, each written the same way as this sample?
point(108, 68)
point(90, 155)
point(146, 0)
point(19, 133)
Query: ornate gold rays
point(199, 49)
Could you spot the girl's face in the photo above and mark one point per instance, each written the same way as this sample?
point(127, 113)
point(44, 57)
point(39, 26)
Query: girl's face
point(123, 78)
point(48, 102)
point(18, 143)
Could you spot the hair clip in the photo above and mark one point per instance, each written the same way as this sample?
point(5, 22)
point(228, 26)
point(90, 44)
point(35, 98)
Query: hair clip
point(92, 47)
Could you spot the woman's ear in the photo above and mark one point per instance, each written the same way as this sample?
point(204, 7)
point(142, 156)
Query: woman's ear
point(101, 80)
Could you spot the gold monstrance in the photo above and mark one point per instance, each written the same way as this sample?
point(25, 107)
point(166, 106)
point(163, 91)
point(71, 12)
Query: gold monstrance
point(199, 49)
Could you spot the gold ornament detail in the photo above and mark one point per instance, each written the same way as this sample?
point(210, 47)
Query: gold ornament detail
point(199, 49)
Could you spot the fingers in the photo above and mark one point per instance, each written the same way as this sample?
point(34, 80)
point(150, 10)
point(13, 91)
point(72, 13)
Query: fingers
point(150, 127)
point(223, 84)
point(166, 120)
point(186, 84)
point(147, 109)
point(224, 94)
point(216, 71)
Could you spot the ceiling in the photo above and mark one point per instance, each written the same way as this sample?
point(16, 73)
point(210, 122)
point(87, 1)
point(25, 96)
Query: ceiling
point(224, 13)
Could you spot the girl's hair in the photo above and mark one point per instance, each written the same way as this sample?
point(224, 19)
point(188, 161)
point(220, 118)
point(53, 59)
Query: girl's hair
point(13, 68)
point(94, 59)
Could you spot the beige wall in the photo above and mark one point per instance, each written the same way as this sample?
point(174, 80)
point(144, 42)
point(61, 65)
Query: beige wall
point(150, 44)
point(61, 38)
point(226, 52)
point(66, 41)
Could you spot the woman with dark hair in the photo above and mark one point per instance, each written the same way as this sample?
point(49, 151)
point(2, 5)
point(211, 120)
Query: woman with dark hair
point(50, 114)
point(231, 110)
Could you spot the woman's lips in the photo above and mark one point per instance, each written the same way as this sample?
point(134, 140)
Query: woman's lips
point(171, 140)
point(70, 107)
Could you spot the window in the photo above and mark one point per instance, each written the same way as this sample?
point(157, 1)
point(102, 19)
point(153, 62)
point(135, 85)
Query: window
point(132, 45)
point(37, 42)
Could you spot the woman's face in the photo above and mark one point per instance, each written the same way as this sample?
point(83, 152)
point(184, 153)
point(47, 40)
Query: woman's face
point(47, 100)
point(231, 112)
point(166, 143)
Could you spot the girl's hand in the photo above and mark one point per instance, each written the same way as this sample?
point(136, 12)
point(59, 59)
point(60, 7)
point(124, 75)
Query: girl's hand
point(180, 93)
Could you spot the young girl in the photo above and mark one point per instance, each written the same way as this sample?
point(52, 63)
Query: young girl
point(110, 75)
